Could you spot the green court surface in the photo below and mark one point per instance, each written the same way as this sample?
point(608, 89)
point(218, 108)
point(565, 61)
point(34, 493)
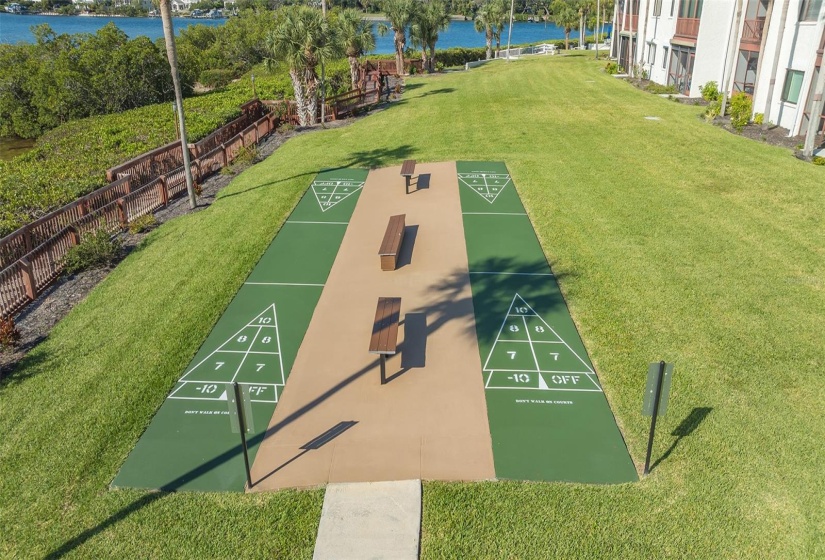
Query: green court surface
point(189, 444)
point(549, 418)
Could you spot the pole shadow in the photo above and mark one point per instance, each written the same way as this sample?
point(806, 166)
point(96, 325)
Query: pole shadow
point(685, 428)
point(315, 443)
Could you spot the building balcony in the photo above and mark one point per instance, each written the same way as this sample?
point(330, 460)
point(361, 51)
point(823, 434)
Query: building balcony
point(752, 31)
point(687, 29)
point(631, 23)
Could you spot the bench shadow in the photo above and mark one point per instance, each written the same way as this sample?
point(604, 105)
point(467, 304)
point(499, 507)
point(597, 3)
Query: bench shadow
point(407, 246)
point(685, 428)
point(414, 347)
point(422, 182)
point(315, 443)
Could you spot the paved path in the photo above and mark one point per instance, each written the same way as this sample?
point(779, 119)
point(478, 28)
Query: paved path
point(335, 422)
point(370, 520)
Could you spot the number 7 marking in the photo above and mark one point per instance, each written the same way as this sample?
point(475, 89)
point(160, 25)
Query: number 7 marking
point(555, 355)
point(260, 367)
point(512, 354)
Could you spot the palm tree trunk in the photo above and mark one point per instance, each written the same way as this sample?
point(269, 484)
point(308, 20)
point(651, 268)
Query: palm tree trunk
point(400, 43)
point(567, 38)
point(432, 58)
point(489, 37)
point(171, 53)
point(300, 97)
point(354, 71)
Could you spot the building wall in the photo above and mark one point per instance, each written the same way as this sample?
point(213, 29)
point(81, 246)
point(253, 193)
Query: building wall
point(798, 51)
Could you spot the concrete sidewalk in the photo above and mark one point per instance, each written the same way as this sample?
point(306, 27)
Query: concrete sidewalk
point(370, 520)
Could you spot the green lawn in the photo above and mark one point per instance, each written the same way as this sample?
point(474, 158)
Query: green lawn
point(671, 239)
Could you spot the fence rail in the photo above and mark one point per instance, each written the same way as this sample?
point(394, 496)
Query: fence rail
point(31, 258)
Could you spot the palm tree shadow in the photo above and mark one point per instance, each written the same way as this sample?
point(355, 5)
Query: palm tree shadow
point(370, 159)
point(685, 428)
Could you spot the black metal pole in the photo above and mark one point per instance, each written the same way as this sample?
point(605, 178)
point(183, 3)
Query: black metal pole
point(656, 398)
point(383, 368)
point(242, 425)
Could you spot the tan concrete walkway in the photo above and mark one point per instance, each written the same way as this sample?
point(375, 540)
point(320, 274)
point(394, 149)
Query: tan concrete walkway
point(430, 420)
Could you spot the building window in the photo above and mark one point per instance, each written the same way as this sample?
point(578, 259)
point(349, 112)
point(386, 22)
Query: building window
point(681, 68)
point(745, 77)
point(657, 8)
point(810, 10)
point(672, 6)
point(651, 54)
point(692, 9)
point(793, 84)
point(664, 57)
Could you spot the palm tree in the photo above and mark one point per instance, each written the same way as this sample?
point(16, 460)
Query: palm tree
point(302, 40)
point(490, 15)
point(566, 17)
point(172, 55)
point(400, 14)
point(357, 38)
point(431, 19)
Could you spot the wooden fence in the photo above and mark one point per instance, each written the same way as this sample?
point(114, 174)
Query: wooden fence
point(31, 258)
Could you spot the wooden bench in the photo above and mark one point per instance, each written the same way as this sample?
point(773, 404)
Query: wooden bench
point(391, 245)
point(385, 331)
point(407, 170)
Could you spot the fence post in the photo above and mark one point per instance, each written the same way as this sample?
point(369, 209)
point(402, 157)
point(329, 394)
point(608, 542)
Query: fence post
point(28, 279)
point(164, 192)
point(27, 238)
point(128, 183)
point(121, 206)
point(83, 207)
point(74, 236)
point(225, 155)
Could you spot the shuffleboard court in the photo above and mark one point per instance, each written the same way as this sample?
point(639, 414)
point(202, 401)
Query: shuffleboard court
point(189, 444)
point(549, 418)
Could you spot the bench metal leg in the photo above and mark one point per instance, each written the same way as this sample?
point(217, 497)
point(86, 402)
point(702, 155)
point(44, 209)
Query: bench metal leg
point(383, 369)
point(407, 180)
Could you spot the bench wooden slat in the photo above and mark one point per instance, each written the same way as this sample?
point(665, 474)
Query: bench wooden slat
point(391, 244)
point(384, 337)
point(408, 167)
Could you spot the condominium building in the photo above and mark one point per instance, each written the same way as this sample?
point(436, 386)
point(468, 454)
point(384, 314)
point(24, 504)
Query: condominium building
point(770, 49)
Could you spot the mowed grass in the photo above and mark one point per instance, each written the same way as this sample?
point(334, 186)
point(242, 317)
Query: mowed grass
point(672, 240)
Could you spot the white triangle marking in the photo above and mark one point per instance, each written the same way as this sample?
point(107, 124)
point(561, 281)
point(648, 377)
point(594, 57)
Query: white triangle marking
point(488, 194)
point(322, 192)
point(542, 384)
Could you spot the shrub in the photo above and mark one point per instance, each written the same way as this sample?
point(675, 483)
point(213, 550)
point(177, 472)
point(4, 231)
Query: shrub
point(713, 109)
point(458, 56)
point(95, 250)
point(710, 92)
point(215, 78)
point(9, 335)
point(246, 155)
point(659, 89)
point(759, 118)
point(613, 68)
point(144, 223)
point(819, 160)
point(741, 106)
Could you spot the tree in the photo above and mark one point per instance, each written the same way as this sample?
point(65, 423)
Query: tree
point(566, 17)
point(400, 14)
point(429, 20)
point(490, 15)
point(357, 39)
point(501, 15)
point(302, 39)
point(171, 53)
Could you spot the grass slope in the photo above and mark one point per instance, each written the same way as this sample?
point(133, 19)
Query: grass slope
point(672, 240)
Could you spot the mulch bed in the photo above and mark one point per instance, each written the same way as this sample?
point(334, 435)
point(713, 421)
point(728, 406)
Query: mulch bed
point(36, 321)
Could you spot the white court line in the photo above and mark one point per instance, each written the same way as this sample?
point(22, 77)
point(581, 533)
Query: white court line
point(490, 355)
point(302, 222)
point(516, 273)
point(239, 383)
point(533, 350)
point(587, 373)
point(244, 352)
point(548, 389)
point(530, 341)
point(495, 213)
point(281, 284)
